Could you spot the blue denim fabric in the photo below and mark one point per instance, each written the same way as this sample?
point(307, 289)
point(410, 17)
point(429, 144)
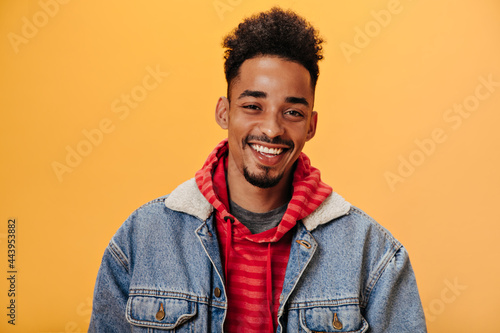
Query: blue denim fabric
point(162, 272)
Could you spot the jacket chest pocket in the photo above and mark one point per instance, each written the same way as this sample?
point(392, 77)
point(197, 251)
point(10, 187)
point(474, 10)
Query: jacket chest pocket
point(332, 319)
point(159, 314)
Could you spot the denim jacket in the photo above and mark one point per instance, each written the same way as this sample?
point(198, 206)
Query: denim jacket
point(162, 272)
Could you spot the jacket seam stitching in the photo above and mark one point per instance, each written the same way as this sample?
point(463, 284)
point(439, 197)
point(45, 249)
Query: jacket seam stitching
point(117, 253)
point(152, 202)
point(373, 281)
point(297, 276)
point(170, 294)
point(311, 304)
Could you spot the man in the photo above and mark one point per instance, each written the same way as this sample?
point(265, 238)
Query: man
point(257, 242)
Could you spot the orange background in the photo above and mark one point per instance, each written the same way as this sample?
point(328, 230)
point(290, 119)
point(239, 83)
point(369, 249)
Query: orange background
point(392, 74)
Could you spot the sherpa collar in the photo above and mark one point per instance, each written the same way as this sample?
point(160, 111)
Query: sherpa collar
point(188, 199)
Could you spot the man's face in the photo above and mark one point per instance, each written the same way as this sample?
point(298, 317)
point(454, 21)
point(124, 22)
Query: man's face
point(269, 118)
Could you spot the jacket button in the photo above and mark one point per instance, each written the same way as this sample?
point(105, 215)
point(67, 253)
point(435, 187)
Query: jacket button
point(161, 313)
point(217, 292)
point(337, 324)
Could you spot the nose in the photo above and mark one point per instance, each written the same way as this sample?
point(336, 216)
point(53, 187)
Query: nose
point(271, 125)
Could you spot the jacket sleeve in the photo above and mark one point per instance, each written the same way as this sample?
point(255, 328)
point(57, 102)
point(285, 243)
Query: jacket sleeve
point(111, 293)
point(393, 303)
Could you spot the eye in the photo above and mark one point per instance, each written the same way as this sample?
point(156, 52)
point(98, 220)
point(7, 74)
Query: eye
point(294, 113)
point(251, 107)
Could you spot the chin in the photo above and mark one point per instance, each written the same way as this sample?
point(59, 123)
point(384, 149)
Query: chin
point(262, 180)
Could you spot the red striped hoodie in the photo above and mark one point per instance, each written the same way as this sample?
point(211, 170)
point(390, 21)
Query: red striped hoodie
point(255, 264)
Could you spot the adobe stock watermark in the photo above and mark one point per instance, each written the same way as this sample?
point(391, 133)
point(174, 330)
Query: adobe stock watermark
point(453, 117)
point(364, 35)
point(84, 311)
point(449, 294)
point(30, 27)
point(122, 108)
point(223, 6)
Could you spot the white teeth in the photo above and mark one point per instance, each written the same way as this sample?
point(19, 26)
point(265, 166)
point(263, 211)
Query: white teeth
point(266, 150)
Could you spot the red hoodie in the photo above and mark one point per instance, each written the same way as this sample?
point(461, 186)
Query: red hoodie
point(255, 264)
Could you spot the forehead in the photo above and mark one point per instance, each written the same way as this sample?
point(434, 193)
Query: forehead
point(273, 75)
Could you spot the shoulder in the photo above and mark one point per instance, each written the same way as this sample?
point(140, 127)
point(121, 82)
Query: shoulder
point(367, 225)
point(175, 212)
point(336, 215)
point(184, 199)
point(165, 220)
point(141, 223)
point(357, 236)
point(146, 213)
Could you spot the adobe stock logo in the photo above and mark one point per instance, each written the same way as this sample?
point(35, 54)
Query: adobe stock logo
point(363, 36)
point(122, 107)
point(223, 6)
point(454, 116)
point(448, 295)
point(31, 27)
point(84, 311)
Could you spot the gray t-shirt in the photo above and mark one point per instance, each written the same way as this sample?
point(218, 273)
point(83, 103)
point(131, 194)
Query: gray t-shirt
point(258, 222)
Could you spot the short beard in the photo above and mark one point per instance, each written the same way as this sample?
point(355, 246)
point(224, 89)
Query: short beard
point(263, 180)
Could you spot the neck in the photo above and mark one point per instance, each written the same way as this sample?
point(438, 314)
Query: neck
point(256, 199)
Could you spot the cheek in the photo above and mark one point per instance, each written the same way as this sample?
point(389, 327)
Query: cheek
point(238, 131)
point(234, 140)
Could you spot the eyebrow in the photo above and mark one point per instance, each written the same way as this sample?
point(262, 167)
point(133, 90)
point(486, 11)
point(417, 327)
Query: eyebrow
point(297, 100)
point(252, 93)
point(261, 94)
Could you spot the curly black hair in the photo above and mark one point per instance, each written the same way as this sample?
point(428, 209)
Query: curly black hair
point(276, 32)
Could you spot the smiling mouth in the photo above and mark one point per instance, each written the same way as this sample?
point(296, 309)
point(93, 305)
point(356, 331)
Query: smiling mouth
point(266, 151)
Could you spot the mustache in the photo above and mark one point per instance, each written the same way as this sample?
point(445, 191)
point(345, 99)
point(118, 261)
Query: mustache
point(264, 138)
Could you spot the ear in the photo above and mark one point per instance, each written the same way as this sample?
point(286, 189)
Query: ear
point(312, 126)
point(222, 112)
